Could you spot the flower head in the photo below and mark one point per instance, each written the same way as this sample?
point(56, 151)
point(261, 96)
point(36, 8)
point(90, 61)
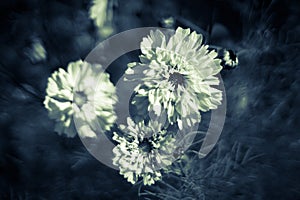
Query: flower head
point(143, 151)
point(101, 12)
point(83, 93)
point(178, 73)
point(229, 59)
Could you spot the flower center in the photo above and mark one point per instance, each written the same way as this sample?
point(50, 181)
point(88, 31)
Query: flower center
point(145, 145)
point(80, 98)
point(176, 79)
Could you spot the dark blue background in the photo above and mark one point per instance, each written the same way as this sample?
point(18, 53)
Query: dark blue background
point(262, 94)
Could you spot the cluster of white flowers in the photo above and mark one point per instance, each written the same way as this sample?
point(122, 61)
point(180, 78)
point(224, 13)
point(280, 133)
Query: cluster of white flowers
point(178, 75)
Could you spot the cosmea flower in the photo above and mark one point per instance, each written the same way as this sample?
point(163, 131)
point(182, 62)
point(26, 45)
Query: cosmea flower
point(229, 59)
point(178, 74)
point(83, 93)
point(143, 151)
point(101, 13)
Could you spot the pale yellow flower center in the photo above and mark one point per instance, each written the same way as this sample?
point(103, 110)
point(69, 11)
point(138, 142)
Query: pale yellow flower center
point(80, 98)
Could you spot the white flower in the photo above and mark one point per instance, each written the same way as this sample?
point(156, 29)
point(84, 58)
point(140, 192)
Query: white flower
point(101, 13)
point(178, 73)
point(230, 60)
point(143, 151)
point(83, 93)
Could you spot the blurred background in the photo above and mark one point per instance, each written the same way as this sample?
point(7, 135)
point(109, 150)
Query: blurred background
point(257, 156)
